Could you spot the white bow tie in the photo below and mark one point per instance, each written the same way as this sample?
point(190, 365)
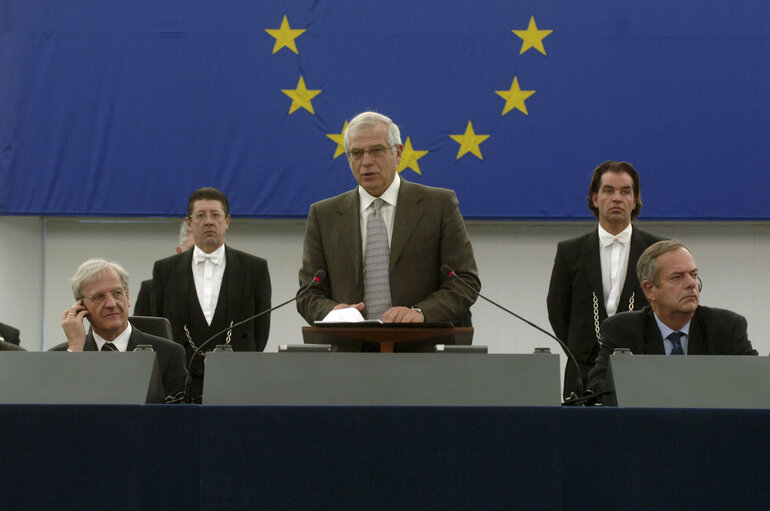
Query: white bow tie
point(199, 257)
point(608, 239)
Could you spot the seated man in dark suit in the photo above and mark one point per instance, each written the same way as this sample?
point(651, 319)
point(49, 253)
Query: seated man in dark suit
point(9, 334)
point(674, 323)
point(101, 292)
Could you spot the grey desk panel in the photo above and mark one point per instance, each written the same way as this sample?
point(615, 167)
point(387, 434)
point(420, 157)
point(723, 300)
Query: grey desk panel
point(79, 378)
point(691, 381)
point(381, 379)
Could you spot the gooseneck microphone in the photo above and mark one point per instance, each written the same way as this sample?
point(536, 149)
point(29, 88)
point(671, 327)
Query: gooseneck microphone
point(317, 277)
point(448, 272)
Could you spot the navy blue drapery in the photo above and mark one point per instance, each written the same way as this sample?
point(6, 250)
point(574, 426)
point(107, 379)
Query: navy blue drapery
point(113, 108)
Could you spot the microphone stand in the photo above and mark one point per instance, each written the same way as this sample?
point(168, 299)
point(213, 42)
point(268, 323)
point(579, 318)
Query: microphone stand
point(573, 399)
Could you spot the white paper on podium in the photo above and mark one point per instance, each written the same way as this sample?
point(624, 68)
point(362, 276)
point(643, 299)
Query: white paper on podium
point(347, 315)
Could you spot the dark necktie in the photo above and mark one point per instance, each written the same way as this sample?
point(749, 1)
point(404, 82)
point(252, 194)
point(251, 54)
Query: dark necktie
point(108, 346)
point(376, 277)
point(675, 338)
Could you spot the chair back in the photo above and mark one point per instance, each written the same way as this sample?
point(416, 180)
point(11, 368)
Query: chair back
point(153, 325)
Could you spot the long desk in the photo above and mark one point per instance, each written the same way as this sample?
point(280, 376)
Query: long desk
point(381, 457)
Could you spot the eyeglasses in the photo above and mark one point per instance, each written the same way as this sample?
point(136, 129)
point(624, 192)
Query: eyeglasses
point(99, 298)
point(201, 216)
point(376, 152)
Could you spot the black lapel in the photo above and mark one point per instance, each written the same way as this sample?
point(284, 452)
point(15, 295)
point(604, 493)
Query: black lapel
point(653, 341)
point(90, 344)
point(636, 247)
point(233, 281)
point(697, 337)
point(181, 282)
point(132, 339)
point(593, 266)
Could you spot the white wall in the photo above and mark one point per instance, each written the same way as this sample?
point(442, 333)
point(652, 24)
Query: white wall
point(514, 259)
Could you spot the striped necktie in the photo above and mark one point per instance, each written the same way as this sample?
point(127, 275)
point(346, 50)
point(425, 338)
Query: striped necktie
point(376, 275)
point(108, 346)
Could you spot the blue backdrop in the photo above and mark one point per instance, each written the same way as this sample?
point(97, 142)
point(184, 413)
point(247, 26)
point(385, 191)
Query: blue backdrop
point(123, 108)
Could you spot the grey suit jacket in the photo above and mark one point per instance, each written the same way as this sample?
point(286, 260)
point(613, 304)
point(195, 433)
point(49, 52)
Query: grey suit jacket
point(428, 232)
point(712, 332)
point(247, 281)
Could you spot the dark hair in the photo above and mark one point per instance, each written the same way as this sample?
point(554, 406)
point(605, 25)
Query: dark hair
point(208, 194)
point(617, 167)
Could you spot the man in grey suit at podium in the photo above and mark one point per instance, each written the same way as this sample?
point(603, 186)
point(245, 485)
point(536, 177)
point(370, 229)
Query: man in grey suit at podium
point(383, 244)
point(674, 323)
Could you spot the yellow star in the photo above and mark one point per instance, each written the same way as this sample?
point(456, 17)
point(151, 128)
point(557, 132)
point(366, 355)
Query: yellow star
point(515, 97)
point(301, 96)
point(409, 158)
point(532, 37)
point(469, 142)
point(285, 36)
point(340, 139)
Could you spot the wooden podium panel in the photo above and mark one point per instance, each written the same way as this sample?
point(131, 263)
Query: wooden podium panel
point(690, 381)
point(247, 378)
point(80, 378)
point(388, 335)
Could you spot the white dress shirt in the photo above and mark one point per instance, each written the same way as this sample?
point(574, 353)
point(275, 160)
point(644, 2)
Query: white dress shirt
point(387, 210)
point(120, 342)
point(613, 252)
point(208, 271)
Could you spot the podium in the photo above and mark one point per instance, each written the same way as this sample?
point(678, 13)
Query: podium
point(387, 336)
point(690, 381)
point(80, 378)
point(370, 379)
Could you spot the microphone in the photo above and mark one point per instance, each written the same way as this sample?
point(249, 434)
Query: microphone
point(448, 272)
point(317, 277)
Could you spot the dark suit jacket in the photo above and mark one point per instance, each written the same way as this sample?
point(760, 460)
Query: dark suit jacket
point(10, 334)
point(171, 360)
point(576, 296)
point(246, 280)
point(428, 232)
point(7, 346)
point(712, 332)
point(142, 303)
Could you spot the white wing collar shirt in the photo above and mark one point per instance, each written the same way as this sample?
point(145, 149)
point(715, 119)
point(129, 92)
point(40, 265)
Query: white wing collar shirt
point(208, 271)
point(613, 252)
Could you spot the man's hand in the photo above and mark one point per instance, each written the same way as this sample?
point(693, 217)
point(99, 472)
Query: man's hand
point(402, 315)
point(359, 306)
point(72, 324)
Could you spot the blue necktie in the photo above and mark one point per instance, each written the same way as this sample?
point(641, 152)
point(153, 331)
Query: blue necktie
point(675, 338)
point(108, 346)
